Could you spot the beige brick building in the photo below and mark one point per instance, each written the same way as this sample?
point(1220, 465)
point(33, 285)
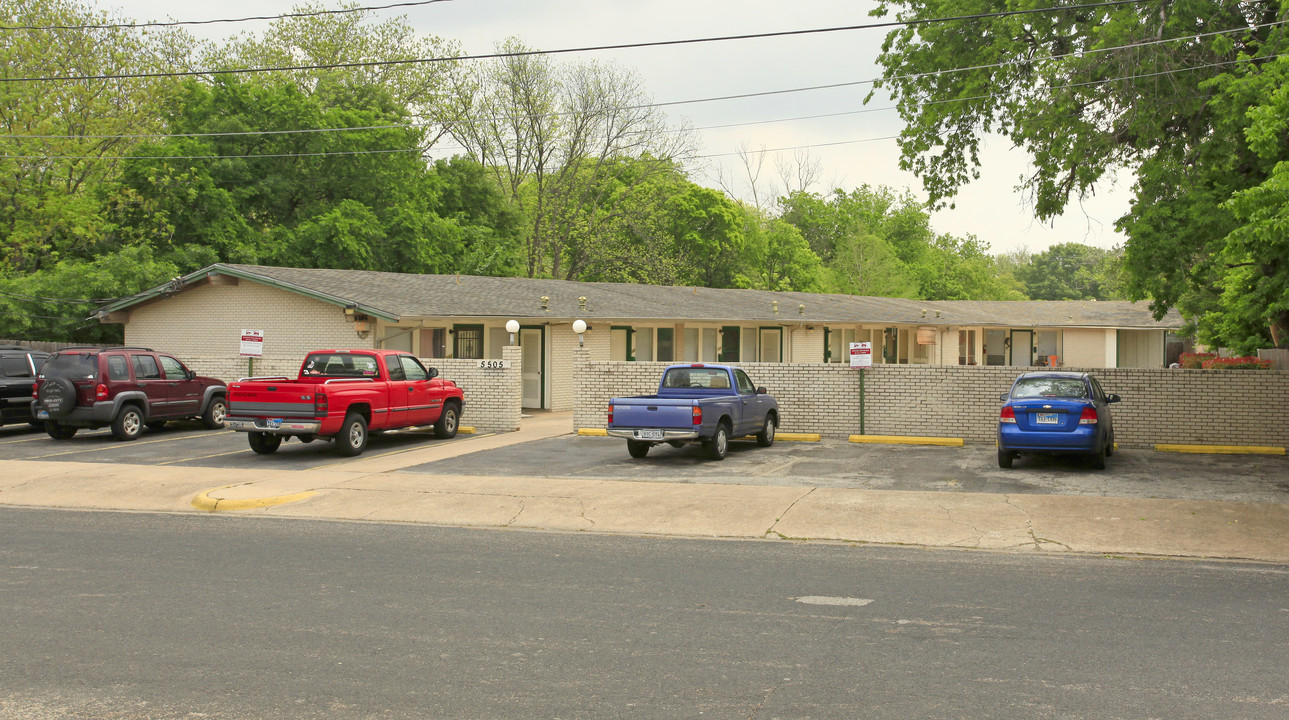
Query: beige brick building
point(454, 322)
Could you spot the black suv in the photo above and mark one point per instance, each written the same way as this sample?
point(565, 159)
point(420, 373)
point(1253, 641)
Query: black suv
point(18, 368)
point(124, 387)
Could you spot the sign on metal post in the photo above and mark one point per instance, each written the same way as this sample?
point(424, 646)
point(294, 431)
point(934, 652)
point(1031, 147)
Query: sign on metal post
point(253, 343)
point(861, 356)
point(252, 347)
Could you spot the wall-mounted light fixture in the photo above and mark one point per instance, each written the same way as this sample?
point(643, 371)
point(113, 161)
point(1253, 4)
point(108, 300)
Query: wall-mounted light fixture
point(350, 310)
point(579, 327)
point(512, 327)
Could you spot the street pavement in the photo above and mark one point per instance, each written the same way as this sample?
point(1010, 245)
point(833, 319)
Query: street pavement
point(381, 488)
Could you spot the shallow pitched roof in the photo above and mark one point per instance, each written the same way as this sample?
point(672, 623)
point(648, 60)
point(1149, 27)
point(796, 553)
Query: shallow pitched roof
point(395, 296)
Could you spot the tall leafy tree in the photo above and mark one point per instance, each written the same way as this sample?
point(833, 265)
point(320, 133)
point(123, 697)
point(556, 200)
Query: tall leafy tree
point(1072, 271)
point(61, 138)
point(1177, 93)
point(573, 144)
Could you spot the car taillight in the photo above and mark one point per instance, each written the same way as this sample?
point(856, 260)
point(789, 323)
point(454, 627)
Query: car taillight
point(610, 412)
point(1089, 416)
point(100, 392)
point(1007, 415)
point(35, 389)
point(319, 405)
point(698, 415)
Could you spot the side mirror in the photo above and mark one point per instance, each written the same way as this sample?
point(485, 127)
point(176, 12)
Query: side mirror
point(192, 374)
point(431, 373)
point(1112, 398)
point(761, 391)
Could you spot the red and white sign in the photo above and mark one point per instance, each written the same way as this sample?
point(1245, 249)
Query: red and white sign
point(252, 343)
point(861, 354)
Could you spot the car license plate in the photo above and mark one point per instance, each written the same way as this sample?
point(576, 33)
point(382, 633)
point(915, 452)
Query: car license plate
point(648, 434)
point(1047, 419)
point(42, 415)
point(273, 423)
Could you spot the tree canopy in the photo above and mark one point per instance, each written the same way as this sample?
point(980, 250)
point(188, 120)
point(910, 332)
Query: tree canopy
point(1188, 96)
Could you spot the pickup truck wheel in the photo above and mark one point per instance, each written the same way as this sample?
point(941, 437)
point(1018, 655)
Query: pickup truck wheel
point(352, 439)
point(637, 448)
point(215, 413)
point(264, 443)
point(720, 442)
point(765, 438)
point(59, 432)
point(128, 423)
point(446, 427)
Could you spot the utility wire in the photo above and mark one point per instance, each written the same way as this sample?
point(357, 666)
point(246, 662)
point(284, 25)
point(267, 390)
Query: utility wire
point(592, 48)
point(911, 76)
point(175, 23)
point(419, 150)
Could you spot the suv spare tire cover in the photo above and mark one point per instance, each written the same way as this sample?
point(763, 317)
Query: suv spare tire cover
point(58, 396)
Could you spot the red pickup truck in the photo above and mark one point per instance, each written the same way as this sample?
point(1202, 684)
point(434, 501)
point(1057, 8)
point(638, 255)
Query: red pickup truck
point(344, 394)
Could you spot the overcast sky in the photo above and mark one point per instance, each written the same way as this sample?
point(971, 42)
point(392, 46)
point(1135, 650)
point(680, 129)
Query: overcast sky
point(853, 149)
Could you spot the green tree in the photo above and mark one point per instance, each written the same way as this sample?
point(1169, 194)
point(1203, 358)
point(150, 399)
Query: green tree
point(61, 139)
point(1177, 94)
point(348, 49)
point(576, 146)
point(1072, 271)
point(267, 179)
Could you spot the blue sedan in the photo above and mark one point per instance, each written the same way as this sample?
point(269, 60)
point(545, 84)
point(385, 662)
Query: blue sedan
point(1056, 412)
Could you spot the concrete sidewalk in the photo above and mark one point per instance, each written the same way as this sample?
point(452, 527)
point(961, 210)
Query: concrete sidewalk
point(369, 489)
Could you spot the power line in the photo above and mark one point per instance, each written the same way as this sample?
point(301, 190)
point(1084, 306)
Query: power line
point(844, 142)
point(911, 76)
point(175, 23)
point(591, 48)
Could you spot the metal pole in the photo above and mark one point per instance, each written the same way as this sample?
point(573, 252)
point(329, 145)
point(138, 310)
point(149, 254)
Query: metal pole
point(861, 401)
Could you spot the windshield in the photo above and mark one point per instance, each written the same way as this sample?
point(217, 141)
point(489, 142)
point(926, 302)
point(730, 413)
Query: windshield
point(75, 366)
point(691, 377)
point(340, 365)
point(1050, 387)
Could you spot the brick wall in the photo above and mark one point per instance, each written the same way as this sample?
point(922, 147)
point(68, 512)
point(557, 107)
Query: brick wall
point(1159, 406)
point(492, 396)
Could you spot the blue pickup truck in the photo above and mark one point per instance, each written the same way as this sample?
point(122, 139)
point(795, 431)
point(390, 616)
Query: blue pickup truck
point(697, 403)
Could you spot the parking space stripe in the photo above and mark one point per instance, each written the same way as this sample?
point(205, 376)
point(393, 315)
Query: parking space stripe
point(114, 446)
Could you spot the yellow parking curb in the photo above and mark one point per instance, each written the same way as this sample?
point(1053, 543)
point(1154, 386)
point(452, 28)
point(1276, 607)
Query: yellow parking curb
point(593, 432)
point(206, 503)
point(906, 440)
point(465, 430)
point(1222, 449)
point(798, 437)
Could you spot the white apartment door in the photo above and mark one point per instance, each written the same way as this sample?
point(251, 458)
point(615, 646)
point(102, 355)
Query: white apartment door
point(533, 377)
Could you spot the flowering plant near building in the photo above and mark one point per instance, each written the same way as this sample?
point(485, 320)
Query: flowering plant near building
point(1236, 363)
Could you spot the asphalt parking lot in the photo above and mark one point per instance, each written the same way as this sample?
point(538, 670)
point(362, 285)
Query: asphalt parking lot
point(1137, 473)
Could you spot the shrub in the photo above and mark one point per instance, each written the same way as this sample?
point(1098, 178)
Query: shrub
point(1195, 361)
point(1236, 363)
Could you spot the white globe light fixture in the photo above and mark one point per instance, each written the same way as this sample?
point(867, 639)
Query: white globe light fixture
point(579, 327)
point(512, 327)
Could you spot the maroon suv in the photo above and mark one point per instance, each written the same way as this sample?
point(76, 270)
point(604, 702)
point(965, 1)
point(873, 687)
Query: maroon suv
point(126, 388)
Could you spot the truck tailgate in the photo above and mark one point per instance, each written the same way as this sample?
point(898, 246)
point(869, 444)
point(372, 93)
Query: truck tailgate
point(660, 413)
point(271, 399)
